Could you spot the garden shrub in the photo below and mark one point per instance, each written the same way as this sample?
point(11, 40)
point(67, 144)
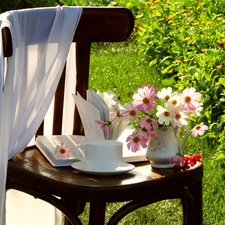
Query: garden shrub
point(184, 41)
point(6, 5)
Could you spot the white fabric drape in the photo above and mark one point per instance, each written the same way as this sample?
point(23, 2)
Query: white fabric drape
point(41, 40)
point(23, 209)
point(68, 106)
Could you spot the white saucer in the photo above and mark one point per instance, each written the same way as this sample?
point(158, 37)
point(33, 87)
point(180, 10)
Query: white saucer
point(122, 168)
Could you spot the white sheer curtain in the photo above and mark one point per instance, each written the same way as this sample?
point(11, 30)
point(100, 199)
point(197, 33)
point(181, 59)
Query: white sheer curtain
point(41, 41)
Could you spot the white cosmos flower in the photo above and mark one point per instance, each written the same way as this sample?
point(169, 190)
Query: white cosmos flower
point(164, 115)
point(191, 98)
point(179, 118)
point(174, 102)
point(165, 94)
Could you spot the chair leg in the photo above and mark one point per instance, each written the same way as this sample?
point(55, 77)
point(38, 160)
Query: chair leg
point(97, 213)
point(196, 191)
point(76, 206)
point(188, 207)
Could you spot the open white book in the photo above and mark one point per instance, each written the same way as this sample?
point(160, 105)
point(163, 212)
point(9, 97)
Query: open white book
point(47, 145)
point(97, 107)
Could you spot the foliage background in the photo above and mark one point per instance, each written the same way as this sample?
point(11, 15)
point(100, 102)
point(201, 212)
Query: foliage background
point(6, 5)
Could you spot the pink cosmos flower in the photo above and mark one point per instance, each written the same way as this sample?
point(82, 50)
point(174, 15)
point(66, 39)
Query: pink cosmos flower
point(191, 98)
point(104, 126)
point(148, 123)
point(179, 118)
point(135, 141)
point(129, 113)
point(177, 160)
point(145, 98)
point(148, 134)
point(143, 133)
point(62, 152)
point(199, 130)
point(114, 113)
point(152, 134)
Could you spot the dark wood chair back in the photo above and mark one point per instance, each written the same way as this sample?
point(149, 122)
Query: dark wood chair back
point(97, 24)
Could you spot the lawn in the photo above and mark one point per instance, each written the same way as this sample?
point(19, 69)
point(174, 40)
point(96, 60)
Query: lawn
point(121, 68)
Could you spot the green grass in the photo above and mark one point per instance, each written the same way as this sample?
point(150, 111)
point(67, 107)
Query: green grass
point(121, 68)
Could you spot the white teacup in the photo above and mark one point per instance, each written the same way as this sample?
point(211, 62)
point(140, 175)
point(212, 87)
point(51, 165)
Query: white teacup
point(101, 155)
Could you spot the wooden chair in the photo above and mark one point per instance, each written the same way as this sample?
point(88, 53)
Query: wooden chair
point(143, 186)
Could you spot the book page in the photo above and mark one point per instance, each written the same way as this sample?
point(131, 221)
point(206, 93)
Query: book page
point(107, 98)
point(91, 99)
point(97, 100)
point(89, 114)
point(116, 129)
point(47, 145)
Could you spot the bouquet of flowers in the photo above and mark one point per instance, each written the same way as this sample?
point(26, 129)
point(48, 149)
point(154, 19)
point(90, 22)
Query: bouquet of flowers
point(152, 109)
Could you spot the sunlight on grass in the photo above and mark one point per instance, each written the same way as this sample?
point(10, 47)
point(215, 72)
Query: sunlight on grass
point(122, 70)
point(119, 68)
point(170, 213)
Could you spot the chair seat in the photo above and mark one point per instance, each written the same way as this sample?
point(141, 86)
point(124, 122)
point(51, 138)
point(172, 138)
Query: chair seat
point(67, 183)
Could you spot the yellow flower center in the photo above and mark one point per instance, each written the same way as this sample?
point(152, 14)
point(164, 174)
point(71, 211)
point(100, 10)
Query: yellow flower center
point(174, 102)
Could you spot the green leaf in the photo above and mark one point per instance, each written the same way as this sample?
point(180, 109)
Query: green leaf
point(153, 62)
point(213, 52)
point(165, 58)
point(168, 82)
point(138, 16)
point(167, 69)
point(206, 101)
point(220, 156)
point(221, 81)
